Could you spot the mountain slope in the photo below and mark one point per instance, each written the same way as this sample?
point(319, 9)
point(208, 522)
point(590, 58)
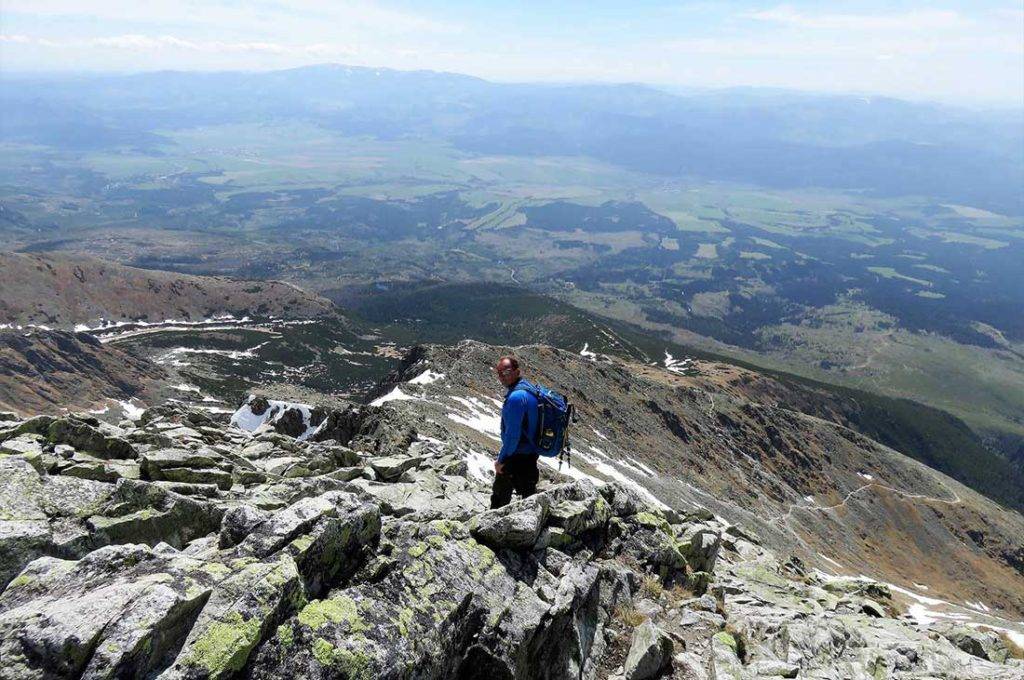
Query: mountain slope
point(445, 313)
point(65, 291)
point(805, 485)
point(353, 541)
point(45, 371)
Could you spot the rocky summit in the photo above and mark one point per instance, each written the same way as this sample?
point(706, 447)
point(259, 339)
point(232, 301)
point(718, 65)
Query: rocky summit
point(343, 540)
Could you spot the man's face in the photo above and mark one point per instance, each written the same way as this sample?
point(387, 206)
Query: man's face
point(506, 374)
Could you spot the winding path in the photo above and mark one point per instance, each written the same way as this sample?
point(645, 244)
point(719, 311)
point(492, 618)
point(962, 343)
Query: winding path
point(956, 500)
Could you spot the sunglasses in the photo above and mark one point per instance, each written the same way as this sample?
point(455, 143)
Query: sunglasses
point(504, 371)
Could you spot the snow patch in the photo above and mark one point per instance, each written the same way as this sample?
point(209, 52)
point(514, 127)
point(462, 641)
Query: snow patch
point(131, 411)
point(215, 409)
point(480, 417)
point(864, 475)
point(586, 353)
point(931, 601)
point(246, 420)
point(925, 617)
point(183, 387)
point(633, 462)
point(427, 377)
point(175, 356)
point(394, 395)
point(479, 466)
point(570, 471)
point(610, 471)
point(678, 366)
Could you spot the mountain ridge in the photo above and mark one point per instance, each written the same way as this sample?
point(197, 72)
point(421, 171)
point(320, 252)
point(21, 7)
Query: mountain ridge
point(71, 291)
point(354, 541)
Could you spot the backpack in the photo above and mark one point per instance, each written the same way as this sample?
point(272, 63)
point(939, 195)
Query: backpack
point(552, 423)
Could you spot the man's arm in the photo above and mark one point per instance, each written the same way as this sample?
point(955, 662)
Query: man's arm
point(512, 413)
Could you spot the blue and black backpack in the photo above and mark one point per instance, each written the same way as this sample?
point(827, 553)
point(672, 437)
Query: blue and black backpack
point(556, 413)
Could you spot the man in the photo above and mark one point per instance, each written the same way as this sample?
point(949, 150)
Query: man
point(516, 466)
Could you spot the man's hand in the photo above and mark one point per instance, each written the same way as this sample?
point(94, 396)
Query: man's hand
point(499, 468)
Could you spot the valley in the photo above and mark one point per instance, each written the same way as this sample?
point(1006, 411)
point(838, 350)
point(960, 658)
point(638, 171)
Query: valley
point(912, 296)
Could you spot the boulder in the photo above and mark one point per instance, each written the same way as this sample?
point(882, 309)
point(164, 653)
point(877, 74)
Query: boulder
point(724, 660)
point(187, 475)
point(577, 517)
point(119, 612)
point(515, 526)
point(774, 668)
point(650, 652)
point(153, 462)
point(982, 644)
point(23, 445)
point(244, 609)
point(239, 522)
point(143, 512)
point(700, 545)
point(283, 526)
point(85, 437)
point(389, 468)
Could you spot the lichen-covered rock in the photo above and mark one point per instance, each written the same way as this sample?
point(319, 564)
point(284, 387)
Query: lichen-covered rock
point(25, 444)
point(244, 609)
point(239, 522)
point(119, 612)
point(982, 644)
point(148, 513)
point(650, 652)
point(281, 527)
point(374, 555)
point(699, 545)
point(85, 436)
point(190, 475)
point(515, 526)
point(389, 468)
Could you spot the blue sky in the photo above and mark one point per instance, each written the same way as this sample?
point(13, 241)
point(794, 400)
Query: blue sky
point(956, 51)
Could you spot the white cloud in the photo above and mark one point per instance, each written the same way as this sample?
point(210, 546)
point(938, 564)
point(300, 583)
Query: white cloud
point(337, 15)
point(146, 43)
point(920, 20)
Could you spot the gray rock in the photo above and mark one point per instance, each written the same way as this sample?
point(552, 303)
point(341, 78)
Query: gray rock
point(187, 475)
point(773, 668)
point(580, 516)
point(239, 522)
point(25, 444)
point(982, 644)
point(281, 527)
point(704, 603)
point(700, 545)
point(391, 467)
point(116, 613)
point(515, 526)
point(650, 652)
point(103, 470)
point(154, 461)
point(85, 437)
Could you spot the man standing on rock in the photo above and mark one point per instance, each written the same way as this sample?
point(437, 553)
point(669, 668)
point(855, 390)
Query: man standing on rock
point(516, 466)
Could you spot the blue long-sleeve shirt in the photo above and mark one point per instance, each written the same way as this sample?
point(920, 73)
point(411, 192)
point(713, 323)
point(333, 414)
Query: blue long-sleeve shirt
point(519, 406)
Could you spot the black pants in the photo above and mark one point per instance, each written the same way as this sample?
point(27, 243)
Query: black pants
point(520, 475)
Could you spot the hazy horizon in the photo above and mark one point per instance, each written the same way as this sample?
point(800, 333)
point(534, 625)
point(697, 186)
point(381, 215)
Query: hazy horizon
point(962, 53)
